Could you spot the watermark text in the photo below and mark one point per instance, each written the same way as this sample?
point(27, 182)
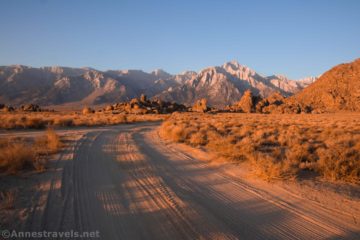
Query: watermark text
point(13, 234)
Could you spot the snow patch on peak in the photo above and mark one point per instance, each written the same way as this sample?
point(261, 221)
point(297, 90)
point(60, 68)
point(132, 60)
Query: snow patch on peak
point(308, 80)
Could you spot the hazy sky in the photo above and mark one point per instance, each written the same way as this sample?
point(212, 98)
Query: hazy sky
point(297, 38)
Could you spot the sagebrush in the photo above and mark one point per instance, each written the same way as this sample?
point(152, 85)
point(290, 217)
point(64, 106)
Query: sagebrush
point(41, 120)
point(277, 146)
point(17, 154)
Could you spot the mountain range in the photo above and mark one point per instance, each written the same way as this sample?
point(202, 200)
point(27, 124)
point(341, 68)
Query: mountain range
point(221, 85)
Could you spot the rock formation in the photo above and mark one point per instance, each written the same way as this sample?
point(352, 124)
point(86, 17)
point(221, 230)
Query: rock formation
point(247, 103)
point(200, 106)
point(145, 106)
point(30, 108)
point(87, 110)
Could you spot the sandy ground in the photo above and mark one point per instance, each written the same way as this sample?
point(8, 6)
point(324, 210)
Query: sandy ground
point(125, 182)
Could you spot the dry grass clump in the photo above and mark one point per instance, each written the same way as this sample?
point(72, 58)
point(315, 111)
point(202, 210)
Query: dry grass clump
point(7, 199)
point(40, 120)
point(277, 146)
point(49, 143)
point(17, 154)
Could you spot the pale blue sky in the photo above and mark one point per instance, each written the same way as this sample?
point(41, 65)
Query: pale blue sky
point(297, 38)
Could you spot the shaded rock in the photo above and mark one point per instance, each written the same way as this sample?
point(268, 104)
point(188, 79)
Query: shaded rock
point(271, 104)
point(109, 108)
point(276, 99)
point(31, 108)
point(8, 109)
point(143, 98)
point(247, 103)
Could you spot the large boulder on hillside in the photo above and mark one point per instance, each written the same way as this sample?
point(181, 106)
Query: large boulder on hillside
point(200, 106)
point(31, 108)
point(109, 108)
point(247, 102)
point(271, 104)
point(143, 98)
point(87, 110)
point(276, 99)
point(7, 109)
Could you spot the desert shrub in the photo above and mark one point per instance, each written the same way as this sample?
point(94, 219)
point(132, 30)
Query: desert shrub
point(198, 139)
point(7, 199)
point(41, 120)
point(120, 118)
point(177, 133)
point(34, 122)
point(53, 140)
point(48, 143)
point(16, 156)
point(19, 154)
point(336, 163)
point(277, 146)
point(266, 166)
point(62, 122)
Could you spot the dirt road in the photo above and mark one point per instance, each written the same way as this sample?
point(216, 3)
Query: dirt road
point(126, 183)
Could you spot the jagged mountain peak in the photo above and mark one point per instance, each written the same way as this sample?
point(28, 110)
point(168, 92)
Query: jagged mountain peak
point(236, 66)
point(161, 73)
point(211, 70)
point(188, 73)
point(18, 66)
point(279, 76)
point(308, 80)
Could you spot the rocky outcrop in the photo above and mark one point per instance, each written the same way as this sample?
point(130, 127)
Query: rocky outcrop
point(4, 108)
point(271, 103)
point(247, 103)
point(200, 106)
point(87, 110)
point(143, 105)
point(30, 108)
point(274, 104)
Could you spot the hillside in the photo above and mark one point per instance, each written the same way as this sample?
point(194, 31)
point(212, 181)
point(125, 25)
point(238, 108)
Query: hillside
point(336, 90)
